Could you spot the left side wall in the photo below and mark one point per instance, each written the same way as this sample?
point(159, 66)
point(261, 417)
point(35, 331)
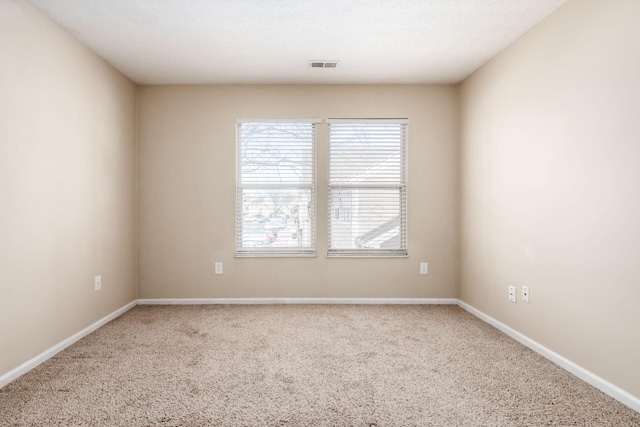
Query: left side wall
point(67, 185)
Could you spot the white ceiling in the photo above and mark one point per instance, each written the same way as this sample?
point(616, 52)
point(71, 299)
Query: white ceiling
point(272, 41)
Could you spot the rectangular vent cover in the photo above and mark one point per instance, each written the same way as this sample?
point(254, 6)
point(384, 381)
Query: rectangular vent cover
point(324, 64)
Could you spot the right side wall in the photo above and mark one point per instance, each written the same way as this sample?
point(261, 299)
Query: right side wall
point(550, 187)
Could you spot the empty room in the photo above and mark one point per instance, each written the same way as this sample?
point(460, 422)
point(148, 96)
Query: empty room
point(319, 213)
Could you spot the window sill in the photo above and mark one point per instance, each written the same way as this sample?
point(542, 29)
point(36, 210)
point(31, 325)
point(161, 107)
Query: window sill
point(314, 255)
point(366, 256)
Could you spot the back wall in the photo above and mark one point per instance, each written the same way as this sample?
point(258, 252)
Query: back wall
point(186, 188)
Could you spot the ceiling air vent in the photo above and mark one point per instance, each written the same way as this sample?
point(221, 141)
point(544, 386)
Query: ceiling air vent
point(324, 64)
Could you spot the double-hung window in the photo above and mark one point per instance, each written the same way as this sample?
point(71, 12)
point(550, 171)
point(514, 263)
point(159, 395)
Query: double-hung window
point(367, 194)
point(276, 188)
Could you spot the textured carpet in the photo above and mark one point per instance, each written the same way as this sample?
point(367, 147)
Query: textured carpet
point(303, 365)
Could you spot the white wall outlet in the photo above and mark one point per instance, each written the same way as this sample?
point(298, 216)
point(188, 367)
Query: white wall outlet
point(525, 294)
point(97, 283)
point(424, 268)
point(218, 268)
point(512, 294)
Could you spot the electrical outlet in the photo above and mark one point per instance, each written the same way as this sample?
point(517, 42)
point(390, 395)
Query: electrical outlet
point(512, 294)
point(424, 268)
point(218, 268)
point(525, 294)
point(97, 283)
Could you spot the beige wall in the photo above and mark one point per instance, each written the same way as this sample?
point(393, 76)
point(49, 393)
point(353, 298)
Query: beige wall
point(67, 185)
point(187, 193)
point(550, 186)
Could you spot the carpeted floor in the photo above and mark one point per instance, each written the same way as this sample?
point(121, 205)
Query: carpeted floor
point(302, 365)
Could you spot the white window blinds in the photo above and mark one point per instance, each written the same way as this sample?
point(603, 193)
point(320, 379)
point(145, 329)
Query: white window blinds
point(367, 198)
point(276, 188)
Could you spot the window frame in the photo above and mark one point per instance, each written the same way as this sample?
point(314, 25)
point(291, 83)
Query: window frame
point(267, 251)
point(401, 186)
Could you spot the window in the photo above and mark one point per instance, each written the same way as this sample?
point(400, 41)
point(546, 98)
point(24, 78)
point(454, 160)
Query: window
point(367, 195)
point(276, 188)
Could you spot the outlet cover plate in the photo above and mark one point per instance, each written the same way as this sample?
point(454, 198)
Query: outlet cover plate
point(424, 268)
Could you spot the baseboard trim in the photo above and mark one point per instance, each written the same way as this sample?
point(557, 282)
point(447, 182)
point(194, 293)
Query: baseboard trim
point(589, 377)
point(254, 301)
point(47, 354)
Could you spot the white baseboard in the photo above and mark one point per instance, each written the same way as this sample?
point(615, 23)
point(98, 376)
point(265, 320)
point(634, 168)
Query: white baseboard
point(47, 354)
point(202, 301)
point(589, 377)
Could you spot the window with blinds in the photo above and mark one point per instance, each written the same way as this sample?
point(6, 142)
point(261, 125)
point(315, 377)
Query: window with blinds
point(367, 194)
point(276, 188)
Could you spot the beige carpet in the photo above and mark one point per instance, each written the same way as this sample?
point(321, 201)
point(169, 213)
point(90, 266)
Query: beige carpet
point(303, 366)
